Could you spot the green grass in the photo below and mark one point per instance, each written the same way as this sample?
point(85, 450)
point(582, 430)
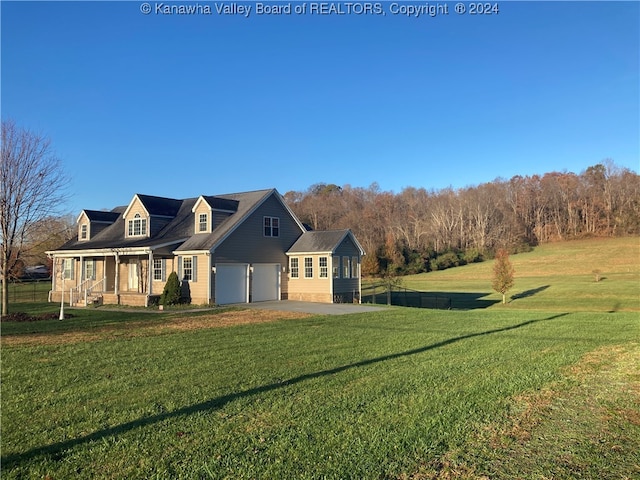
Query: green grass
point(29, 291)
point(359, 396)
point(547, 386)
point(552, 277)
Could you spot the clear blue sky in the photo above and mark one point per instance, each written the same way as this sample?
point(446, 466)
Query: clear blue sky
point(183, 105)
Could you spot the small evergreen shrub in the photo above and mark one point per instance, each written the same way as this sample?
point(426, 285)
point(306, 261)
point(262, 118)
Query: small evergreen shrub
point(171, 293)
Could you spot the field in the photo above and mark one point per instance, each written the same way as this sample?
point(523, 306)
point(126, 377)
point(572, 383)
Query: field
point(547, 386)
point(552, 277)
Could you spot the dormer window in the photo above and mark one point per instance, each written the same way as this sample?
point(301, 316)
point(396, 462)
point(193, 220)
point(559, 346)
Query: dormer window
point(203, 222)
point(137, 226)
point(84, 232)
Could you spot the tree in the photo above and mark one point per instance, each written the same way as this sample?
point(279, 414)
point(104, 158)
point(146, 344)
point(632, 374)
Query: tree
point(32, 188)
point(502, 273)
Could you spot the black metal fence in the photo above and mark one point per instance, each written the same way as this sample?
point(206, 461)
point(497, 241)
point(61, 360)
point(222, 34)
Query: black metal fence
point(404, 297)
point(29, 291)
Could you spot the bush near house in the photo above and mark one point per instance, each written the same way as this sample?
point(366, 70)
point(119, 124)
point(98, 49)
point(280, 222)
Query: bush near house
point(171, 293)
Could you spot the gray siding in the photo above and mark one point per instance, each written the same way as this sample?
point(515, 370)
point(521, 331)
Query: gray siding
point(157, 224)
point(247, 244)
point(218, 217)
point(346, 285)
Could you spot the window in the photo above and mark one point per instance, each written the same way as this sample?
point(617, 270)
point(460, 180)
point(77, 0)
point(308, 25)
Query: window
point(158, 269)
point(84, 231)
point(187, 268)
point(137, 226)
point(294, 267)
point(271, 227)
point(67, 268)
point(346, 271)
point(202, 222)
point(355, 267)
point(308, 267)
point(324, 267)
point(89, 270)
point(336, 267)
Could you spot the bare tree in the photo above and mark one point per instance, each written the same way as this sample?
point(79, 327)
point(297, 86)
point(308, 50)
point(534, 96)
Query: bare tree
point(32, 188)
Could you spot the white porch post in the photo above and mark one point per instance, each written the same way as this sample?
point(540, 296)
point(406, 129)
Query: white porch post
point(117, 285)
point(54, 268)
point(150, 273)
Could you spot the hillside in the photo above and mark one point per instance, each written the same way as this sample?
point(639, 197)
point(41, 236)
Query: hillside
point(556, 276)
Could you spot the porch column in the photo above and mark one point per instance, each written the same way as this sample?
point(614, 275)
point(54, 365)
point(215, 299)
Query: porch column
point(54, 273)
point(117, 285)
point(150, 273)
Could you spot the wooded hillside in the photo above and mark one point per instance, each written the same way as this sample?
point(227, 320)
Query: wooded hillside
point(419, 230)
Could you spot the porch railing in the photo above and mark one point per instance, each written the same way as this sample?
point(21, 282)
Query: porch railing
point(85, 290)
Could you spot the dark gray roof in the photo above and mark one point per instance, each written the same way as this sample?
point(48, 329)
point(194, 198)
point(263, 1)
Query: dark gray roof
point(246, 203)
point(320, 241)
point(175, 231)
point(220, 203)
point(102, 216)
point(160, 206)
point(178, 233)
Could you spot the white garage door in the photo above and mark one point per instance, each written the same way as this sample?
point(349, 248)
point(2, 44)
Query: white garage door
point(265, 282)
point(231, 283)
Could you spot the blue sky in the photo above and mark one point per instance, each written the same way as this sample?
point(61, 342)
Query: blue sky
point(183, 105)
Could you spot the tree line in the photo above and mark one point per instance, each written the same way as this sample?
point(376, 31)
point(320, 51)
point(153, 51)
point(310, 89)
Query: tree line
point(419, 230)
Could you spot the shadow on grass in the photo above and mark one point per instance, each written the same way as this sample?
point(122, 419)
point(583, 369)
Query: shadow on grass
point(57, 450)
point(529, 293)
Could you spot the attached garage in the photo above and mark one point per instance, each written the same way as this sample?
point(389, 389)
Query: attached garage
point(232, 282)
point(265, 282)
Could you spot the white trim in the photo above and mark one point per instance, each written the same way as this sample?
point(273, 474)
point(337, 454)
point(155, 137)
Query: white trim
point(308, 253)
point(211, 208)
point(126, 212)
point(120, 250)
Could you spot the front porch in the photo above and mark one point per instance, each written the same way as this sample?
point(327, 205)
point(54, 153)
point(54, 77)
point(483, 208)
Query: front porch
point(110, 279)
point(131, 299)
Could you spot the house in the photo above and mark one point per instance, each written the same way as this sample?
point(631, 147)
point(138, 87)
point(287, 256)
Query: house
point(233, 248)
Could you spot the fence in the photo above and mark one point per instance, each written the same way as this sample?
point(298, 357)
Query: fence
point(405, 297)
point(29, 291)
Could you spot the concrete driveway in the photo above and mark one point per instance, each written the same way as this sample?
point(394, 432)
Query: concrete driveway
point(313, 307)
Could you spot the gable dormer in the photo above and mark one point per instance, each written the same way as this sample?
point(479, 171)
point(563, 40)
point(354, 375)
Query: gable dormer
point(146, 215)
point(92, 222)
point(136, 219)
point(209, 212)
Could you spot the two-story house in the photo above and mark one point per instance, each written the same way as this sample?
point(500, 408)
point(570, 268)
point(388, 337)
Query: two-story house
point(233, 248)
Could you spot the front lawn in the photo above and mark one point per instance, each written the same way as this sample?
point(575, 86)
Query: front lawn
point(404, 393)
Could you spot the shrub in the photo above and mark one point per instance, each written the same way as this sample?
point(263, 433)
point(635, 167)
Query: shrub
point(444, 261)
point(473, 255)
point(171, 292)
